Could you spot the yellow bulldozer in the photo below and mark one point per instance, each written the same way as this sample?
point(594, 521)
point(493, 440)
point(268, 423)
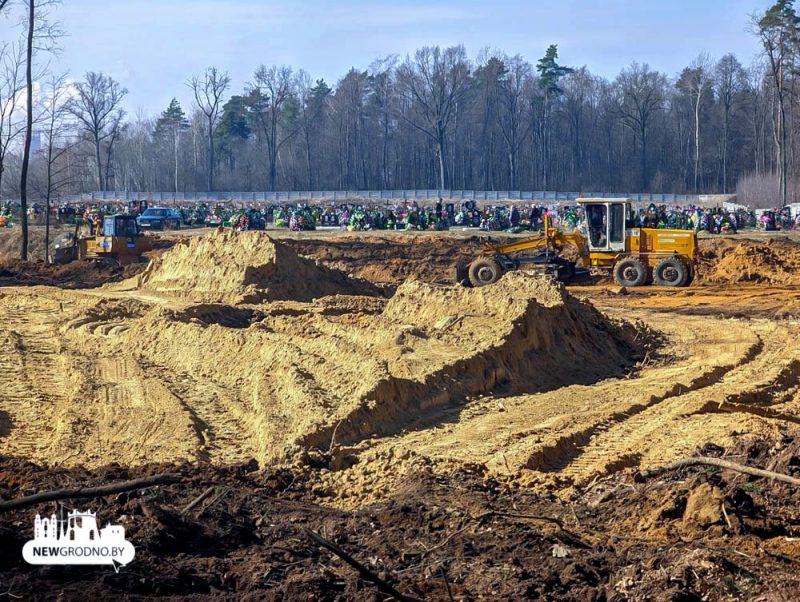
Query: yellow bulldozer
point(634, 256)
point(117, 240)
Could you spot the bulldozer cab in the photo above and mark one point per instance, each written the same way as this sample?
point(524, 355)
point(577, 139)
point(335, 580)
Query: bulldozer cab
point(605, 223)
point(120, 225)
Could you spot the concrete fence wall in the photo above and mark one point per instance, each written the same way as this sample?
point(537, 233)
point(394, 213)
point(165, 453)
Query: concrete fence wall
point(545, 197)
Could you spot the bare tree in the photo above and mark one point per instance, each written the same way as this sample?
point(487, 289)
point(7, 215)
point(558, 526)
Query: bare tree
point(697, 80)
point(208, 92)
point(97, 106)
point(777, 29)
point(487, 81)
point(432, 84)
point(729, 80)
point(139, 163)
point(116, 129)
point(41, 35)
point(383, 97)
point(26, 153)
point(55, 127)
point(512, 118)
point(12, 84)
point(641, 95)
point(272, 88)
point(349, 104)
point(313, 102)
point(580, 94)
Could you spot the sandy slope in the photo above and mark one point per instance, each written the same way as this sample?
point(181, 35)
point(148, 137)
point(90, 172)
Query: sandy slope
point(145, 372)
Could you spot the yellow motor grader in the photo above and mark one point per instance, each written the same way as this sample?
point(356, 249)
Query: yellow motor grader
point(634, 256)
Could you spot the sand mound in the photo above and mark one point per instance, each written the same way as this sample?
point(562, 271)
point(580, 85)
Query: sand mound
point(523, 334)
point(773, 262)
point(750, 263)
point(245, 267)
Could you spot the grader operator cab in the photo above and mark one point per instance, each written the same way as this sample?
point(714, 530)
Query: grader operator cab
point(635, 256)
point(116, 240)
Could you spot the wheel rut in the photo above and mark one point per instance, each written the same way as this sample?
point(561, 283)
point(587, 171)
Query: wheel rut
point(662, 431)
point(32, 377)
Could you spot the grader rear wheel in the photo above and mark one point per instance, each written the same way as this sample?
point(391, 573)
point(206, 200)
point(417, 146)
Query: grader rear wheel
point(484, 271)
point(670, 271)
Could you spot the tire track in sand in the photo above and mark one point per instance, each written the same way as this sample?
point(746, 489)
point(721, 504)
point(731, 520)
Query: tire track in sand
point(577, 432)
point(668, 431)
point(222, 435)
point(133, 415)
point(32, 376)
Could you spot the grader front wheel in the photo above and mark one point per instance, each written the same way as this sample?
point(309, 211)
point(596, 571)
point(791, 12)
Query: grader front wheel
point(484, 271)
point(630, 272)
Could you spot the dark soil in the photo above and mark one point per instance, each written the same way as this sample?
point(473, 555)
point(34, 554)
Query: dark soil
point(433, 257)
point(664, 539)
point(393, 259)
point(74, 275)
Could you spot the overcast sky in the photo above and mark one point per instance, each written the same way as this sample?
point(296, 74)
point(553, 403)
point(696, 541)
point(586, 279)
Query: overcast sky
point(154, 46)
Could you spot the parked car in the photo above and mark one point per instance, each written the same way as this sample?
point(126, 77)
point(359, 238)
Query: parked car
point(159, 218)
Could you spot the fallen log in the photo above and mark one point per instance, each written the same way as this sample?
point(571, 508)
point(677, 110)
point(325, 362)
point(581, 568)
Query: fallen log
point(199, 499)
point(549, 519)
point(704, 461)
point(567, 535)
point(213, 501)
point(89, 492)
point(382, 585)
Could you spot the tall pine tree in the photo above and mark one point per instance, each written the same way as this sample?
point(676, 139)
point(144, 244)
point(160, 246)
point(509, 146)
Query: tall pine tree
point(550, 73)
point(169, 128)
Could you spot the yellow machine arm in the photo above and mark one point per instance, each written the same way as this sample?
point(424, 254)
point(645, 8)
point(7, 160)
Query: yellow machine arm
point(553, 240)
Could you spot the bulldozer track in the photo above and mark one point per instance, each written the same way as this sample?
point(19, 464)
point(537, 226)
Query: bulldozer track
point(660, 428)
point(213, 414)
point(71, 382)
point(31, 378)
point(606, 442)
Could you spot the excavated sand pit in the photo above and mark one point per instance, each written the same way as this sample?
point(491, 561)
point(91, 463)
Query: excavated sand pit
point(182, 363)
point(231, 346)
